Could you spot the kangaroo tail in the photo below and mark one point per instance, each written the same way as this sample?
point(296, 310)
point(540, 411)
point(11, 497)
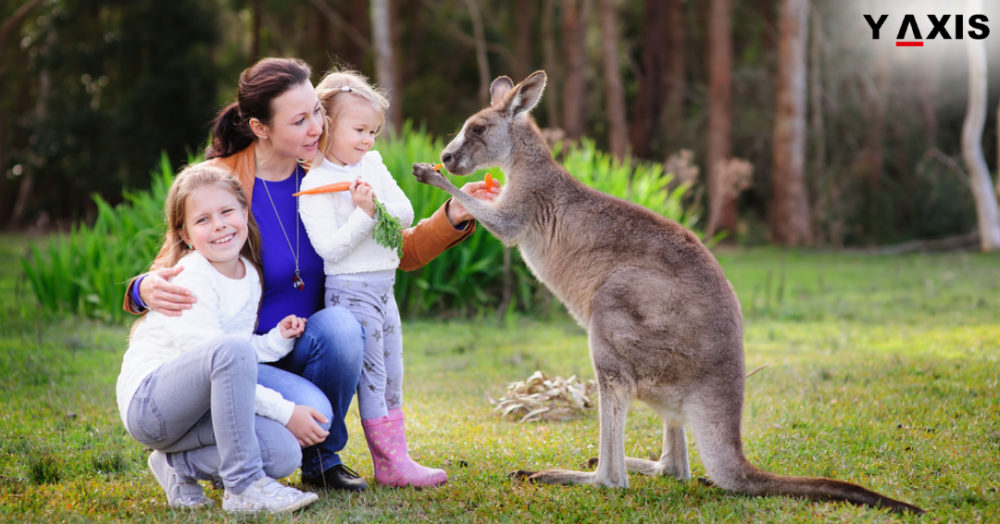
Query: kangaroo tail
point(752, 481)
point(717, 432)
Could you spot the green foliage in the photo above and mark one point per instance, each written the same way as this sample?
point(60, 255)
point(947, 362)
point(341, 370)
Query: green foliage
point(85, 271)
point(121, 81)
point(880, 371)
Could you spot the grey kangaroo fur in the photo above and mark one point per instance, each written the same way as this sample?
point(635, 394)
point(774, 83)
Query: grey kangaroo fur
point(663, 322)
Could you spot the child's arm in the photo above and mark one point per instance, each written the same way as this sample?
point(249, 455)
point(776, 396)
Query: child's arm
point(394, 199)
point(278, 342)
point(331, 239)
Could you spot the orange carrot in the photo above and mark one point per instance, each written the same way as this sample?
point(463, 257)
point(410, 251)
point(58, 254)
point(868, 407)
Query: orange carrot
point(438, 166)
point(490, 182)
point(329, 188)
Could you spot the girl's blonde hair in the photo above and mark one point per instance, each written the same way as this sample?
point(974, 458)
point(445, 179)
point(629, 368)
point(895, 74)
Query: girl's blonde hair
point(338, 87)
point(187, 181)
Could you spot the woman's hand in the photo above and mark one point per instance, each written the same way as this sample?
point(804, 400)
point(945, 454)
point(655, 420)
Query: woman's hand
point(303, 425)
point(162, 296)
point(363, 197)
point(478, 190)
point(291, 326)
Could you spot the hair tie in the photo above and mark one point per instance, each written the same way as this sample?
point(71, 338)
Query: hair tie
point(345, 89)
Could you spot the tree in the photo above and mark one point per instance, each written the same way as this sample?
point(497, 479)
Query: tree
point(651, 77)
point(721, 201)
point(972, 151)
point(575, 14)
point(790, 219)
point(385, 60)
point(614, 92)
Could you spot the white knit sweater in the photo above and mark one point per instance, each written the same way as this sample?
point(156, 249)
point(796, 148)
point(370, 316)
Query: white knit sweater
point(225, 306)
point(341, 232)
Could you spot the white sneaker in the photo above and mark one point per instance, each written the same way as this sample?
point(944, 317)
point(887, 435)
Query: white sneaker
point(267, 494)
point(180, 493)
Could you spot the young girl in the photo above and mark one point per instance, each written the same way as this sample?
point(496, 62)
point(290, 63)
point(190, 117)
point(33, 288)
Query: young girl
point(188, 384)
point(360, 273)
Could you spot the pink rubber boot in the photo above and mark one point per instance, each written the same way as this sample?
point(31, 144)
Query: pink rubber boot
point(386, 438)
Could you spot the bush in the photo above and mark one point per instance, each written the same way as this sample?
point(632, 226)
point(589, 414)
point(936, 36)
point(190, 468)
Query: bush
point(86, 271)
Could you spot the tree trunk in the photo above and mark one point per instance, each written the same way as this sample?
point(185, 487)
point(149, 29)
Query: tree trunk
point(255, 14)
point(617, 124)
point(385, 61)
point(524, 25)
point(675, 82)
point(721, 200)
point(972, 151)
point(482, 62)
point(551, 62)
point(575, 83)
point(649, 99)
point(790, 219)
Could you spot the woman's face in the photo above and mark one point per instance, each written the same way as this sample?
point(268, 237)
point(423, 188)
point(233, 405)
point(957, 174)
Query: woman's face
point(353, 132)
point(296, 123)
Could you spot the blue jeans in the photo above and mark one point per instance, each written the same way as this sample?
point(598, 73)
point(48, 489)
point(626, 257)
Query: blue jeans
point(322, 372)
point(199, 409)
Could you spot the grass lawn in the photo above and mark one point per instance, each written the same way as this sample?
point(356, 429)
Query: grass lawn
point(882, 371)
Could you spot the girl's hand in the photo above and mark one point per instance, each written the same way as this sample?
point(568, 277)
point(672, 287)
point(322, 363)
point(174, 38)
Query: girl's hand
point(363, 196)
point(304, 426)
point(162, 296)
point(291, 326)
point(478, 190)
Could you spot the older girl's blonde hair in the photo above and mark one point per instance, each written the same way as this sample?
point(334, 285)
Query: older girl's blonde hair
point(338, 87)
point(186, 182)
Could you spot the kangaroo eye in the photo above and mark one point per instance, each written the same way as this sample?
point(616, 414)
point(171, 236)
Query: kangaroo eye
point(478, 129)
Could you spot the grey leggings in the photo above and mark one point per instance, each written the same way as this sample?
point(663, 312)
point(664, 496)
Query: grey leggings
point(369, 297)
point(199, 409)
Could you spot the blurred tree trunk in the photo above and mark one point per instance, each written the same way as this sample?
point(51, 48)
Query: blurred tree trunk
point(482, 61)
point(344, 35)
point(575, 83)
point(255, 14)
point(721, 201)
point(790, 220)
point(972, 151)
point(652, 72)
point(524, 16)
point(675, 82)
point(550, 61)
point(615, 93)
point(385, 61)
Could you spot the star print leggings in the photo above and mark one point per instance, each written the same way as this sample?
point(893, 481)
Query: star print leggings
point(369, 297)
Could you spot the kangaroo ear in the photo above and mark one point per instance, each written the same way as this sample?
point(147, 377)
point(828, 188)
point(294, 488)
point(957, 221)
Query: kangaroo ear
point(500, 87)
point(527, 94)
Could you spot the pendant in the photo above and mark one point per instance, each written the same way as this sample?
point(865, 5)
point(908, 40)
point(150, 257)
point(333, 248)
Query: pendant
point(297, 282)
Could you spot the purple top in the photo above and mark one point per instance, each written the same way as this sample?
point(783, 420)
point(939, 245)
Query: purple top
point(280, 298)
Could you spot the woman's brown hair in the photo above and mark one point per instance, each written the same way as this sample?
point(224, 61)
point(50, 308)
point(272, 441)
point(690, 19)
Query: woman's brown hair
point(259, 85)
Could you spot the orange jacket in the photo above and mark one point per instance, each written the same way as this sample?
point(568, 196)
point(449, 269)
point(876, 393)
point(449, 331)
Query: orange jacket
point(421, 243)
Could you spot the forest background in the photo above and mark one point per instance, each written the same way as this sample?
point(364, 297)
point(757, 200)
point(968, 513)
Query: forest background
point(94, 91)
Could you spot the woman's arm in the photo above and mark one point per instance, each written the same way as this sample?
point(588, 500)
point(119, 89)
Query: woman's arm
point(448, 226)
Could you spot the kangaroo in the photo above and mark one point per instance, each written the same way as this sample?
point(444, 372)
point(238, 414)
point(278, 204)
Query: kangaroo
point(664, 325)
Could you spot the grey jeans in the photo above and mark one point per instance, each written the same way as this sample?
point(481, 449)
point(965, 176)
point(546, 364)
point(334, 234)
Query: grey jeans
point(370, 299)
point(199, 409)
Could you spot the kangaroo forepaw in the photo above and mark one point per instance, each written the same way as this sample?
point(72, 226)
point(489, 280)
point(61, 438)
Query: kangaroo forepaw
point(426, 174)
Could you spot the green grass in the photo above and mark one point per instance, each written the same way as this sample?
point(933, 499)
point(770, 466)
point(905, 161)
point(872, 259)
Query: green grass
point(880, 370)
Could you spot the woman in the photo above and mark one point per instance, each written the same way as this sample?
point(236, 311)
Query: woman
point(277, 122)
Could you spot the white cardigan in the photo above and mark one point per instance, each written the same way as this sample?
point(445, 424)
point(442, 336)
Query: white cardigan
point(341, 232)
point(225, 306)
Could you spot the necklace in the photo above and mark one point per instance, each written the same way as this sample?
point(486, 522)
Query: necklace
point(297, 282)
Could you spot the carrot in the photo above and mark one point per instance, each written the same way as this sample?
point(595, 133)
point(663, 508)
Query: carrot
point(491, 182)
point(329, 188)
point(438, 166)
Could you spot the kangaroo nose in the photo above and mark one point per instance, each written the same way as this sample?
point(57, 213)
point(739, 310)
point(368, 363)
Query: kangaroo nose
point(447, 157)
